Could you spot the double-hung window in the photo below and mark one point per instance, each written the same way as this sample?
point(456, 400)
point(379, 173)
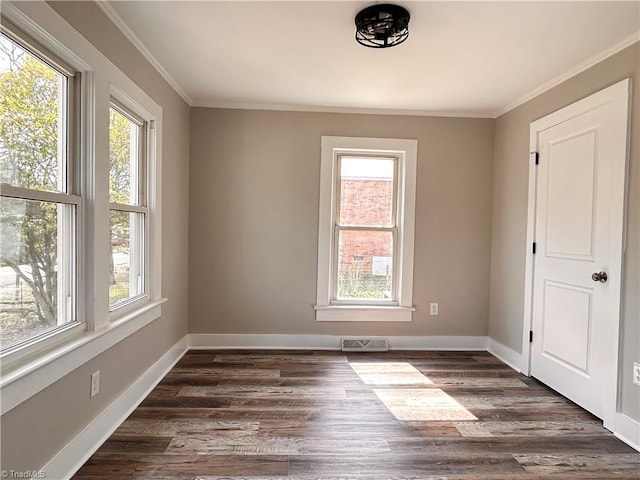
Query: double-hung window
point(366, 229)
point(39, 194)
point(80, 202)
point(128, 208)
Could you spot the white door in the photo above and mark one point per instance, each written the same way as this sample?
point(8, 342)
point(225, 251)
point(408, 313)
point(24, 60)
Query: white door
point(579, 204)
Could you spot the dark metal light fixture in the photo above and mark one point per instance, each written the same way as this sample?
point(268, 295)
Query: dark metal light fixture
point(382, 26)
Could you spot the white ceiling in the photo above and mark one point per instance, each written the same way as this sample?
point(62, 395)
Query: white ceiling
point(462, 58)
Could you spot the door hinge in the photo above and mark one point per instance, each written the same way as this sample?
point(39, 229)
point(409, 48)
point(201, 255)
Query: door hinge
point(533, 249)
point(537, 158)
point(530, 336)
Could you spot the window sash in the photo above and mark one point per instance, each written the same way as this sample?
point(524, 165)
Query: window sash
point(139, 174)
point(68, 173)
point(124, 207)
point(139, 233)
point(39, 195)
point(338, 188)
point(138, 258)
point(338, 227)
point(335, 266)
point(66, 197)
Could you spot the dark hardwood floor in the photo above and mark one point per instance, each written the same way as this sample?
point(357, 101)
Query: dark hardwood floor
point(230, 415)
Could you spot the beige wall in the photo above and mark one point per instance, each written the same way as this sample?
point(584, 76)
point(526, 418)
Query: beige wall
point(37, 429)
point(510, 184)
point(254, 196)
point(252, 224)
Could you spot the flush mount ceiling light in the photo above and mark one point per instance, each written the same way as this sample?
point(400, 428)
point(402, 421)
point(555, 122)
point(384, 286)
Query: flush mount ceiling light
point(382, 26)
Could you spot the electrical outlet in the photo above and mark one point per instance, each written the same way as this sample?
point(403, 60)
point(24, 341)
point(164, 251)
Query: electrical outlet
point(636, 373)
point(433, 309)
point(95, 383)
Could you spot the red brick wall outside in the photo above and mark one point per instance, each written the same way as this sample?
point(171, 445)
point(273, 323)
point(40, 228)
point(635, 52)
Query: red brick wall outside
point(364, 202)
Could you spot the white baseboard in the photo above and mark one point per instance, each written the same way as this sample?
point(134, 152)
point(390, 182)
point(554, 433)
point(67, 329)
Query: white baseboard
point(506, 355)
point(627, 430)
point(439, 342)
point(200, 341)
point(69, 460)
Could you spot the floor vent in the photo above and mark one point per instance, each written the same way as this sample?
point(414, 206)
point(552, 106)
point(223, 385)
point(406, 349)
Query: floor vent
point(365, 345)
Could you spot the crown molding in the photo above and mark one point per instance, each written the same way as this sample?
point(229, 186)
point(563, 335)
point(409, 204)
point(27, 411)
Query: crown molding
point(121, 25)
point(323, 109)
point(572, 72)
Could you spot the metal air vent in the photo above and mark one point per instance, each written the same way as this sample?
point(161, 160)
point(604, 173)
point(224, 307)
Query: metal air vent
point(370, 344)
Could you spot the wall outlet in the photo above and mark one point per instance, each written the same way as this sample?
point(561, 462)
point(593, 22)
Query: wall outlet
point(95, 383)
point(433, 309)
point(636, 373)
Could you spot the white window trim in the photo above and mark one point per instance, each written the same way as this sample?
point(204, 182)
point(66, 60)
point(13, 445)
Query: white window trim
point(407, 152)
point(138, 103)
point(32, 369)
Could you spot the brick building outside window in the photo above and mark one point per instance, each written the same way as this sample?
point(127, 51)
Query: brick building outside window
point(365, 268)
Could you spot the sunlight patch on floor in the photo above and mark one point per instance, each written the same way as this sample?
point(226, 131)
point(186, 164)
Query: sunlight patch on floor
point(389, 373)
point(424, 404)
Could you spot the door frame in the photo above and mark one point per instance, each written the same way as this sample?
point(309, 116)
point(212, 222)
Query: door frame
point(618, 92)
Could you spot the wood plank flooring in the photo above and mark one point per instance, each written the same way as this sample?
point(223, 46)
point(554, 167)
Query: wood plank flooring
point(253, 415)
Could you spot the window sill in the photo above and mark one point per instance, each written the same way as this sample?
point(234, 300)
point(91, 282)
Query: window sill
point(26, 380)
point(363, 313)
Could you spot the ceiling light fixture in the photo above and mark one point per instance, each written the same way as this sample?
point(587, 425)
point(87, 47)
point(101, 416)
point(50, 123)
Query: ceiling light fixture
point(382, 26)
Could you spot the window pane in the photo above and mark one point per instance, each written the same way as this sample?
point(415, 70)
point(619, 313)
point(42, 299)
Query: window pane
point(37, 270)
point(32, 125)
point(365, 269)
point(126, 269)
point(124, 138)
point(366, 191)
